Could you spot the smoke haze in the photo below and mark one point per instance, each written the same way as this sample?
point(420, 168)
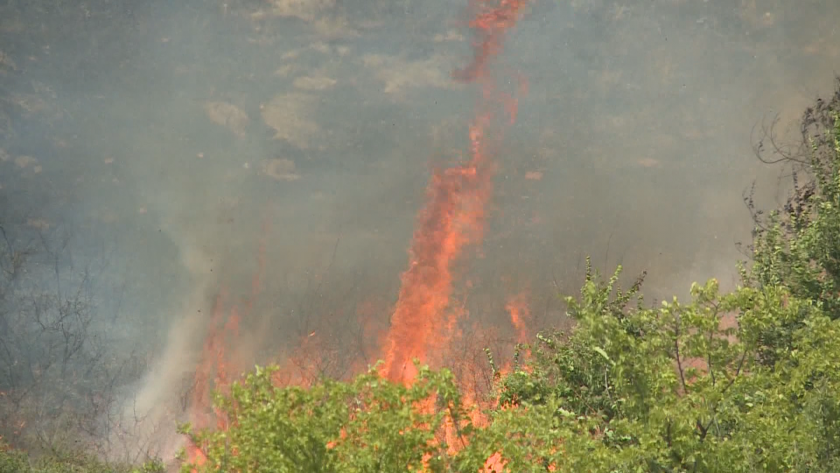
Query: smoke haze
point(278, 152)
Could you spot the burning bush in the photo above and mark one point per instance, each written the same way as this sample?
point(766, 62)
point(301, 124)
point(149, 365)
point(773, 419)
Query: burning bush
point(718, 384)
point(673, 388)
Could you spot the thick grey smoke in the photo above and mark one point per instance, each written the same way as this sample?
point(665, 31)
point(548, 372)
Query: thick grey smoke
point(191, 133)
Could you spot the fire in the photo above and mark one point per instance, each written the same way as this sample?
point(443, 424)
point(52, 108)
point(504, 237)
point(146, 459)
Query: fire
point(494, 464)
point(519, 312)
point(490, 24)
point(213, 368)
point(454, 212)
point(517, 307)
point(451, 220)
point(453, 217)
point(443, 230)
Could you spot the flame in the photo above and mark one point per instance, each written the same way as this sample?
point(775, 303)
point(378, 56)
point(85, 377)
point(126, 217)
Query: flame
point(454, 213)
point(517, 307)
point(443, 230)
point(214, 362)
point(490, 24)
point(453, 217)
point(494, 464)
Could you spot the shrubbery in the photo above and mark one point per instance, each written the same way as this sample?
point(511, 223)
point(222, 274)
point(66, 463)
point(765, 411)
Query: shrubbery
point(664, 389)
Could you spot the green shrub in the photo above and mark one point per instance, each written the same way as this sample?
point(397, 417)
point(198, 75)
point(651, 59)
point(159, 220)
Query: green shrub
point(672, 389)
point(367, 425)
point(799, 245)
point(629, 389)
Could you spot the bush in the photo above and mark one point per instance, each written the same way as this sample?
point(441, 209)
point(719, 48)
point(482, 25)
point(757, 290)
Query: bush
point(630, 389)
point(366, 425)
point(799, 246)
point(675, 389)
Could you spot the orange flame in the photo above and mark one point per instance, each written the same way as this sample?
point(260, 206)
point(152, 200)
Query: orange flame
point(442, 232)
point(520, 314)
point(490, 23)
point(453, 216)
point(494, 464)
point(517, 307)
point(214, 361)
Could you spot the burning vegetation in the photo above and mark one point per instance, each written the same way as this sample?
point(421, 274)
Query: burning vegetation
point(718, 384)
point(423, 323)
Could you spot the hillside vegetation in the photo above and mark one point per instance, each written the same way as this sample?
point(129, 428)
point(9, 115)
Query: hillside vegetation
point(739, 381)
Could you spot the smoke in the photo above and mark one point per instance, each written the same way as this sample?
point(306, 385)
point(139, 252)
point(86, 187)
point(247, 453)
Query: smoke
point(150, 411)
point(214, 142)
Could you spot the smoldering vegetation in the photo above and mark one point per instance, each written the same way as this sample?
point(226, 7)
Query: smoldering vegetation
point(169, 166)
